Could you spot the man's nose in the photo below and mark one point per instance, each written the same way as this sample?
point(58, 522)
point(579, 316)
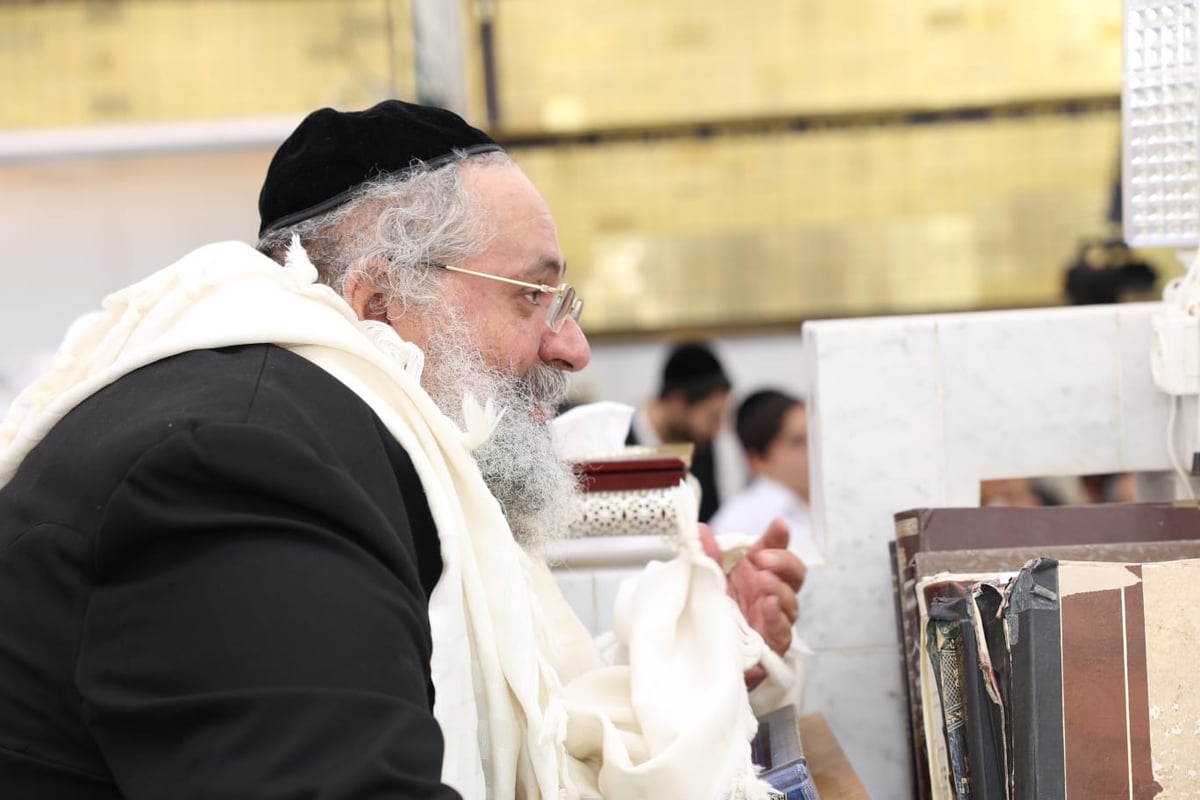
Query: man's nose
point(568, 349)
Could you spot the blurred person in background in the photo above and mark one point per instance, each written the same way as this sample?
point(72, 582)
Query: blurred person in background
point(692, 401)
point(1021, 492)
point(1107, 271)
point(773, 429)
point(1113, 487)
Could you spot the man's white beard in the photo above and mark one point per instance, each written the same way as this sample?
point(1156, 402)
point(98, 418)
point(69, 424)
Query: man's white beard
point(539, 491)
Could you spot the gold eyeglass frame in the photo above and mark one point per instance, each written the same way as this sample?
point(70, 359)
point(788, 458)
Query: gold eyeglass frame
point(564, 295)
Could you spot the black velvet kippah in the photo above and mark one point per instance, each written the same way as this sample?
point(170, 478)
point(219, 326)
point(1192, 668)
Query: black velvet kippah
point(331, 153)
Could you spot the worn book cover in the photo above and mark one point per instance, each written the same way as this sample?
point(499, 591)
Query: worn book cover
point(919, 788)
point(1105, 698)
point(973, 535)
point(779, 754)
point(987, 752)
point(904, 584)
point(945, 644)
point(1033, 628)
point(941, 753)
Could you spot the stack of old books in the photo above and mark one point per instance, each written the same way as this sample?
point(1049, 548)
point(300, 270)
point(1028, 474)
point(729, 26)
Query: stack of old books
point(1047, 652)
point(778, 753)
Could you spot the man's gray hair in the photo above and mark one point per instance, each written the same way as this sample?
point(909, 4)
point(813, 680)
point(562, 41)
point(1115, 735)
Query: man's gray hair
point(410, 222)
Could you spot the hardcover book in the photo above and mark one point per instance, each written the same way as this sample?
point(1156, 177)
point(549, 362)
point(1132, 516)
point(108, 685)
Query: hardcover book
point(987, 750)
point(961, 541)
point(1104, 697)
point(944, 643)
point(947, 718)
point(1033, 629)
point(777, 750)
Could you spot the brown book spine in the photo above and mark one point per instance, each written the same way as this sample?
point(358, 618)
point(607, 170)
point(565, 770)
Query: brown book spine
point(907, 528)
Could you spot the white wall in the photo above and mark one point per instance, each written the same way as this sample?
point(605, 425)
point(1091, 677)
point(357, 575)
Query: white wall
point(76, 229)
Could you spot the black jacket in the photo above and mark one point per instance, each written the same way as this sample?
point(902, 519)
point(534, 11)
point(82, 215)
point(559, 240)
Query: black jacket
point(214, 577)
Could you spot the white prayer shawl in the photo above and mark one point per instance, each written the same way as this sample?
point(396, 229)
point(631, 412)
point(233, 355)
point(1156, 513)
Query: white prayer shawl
point(528, 707)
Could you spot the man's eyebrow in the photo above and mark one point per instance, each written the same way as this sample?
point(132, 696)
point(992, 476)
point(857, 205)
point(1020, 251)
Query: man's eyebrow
point(545, 270)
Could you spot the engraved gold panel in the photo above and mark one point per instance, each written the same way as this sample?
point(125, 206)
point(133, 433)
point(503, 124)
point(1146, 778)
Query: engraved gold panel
point(77, 63)
point(581, 64)
point(750, 229)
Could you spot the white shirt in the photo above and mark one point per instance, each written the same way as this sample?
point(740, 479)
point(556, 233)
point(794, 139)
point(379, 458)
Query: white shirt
point(751, 510)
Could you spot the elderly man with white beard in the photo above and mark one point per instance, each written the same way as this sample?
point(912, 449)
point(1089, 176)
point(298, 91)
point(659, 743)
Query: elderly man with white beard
point(270, 525)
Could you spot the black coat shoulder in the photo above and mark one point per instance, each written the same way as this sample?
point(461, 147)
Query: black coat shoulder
point(228, 546)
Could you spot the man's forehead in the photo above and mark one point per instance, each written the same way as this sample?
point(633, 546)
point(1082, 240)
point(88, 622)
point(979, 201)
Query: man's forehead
point(523, 227)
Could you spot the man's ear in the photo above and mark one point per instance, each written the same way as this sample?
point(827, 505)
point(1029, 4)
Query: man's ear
point(363, 289)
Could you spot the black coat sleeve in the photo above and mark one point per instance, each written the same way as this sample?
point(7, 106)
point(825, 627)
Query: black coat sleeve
point(257, 629)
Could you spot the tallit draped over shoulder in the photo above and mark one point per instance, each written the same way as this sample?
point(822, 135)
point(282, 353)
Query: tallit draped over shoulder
point(528, 705)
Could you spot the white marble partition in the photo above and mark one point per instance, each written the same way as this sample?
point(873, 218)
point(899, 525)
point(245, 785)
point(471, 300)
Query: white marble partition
point(916, 411)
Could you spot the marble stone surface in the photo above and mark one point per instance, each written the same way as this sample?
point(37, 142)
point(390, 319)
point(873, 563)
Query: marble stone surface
point(1028, 393)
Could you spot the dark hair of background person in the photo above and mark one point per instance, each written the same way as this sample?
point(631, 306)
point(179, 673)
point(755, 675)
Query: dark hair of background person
point(760, 418)
point(693, 370)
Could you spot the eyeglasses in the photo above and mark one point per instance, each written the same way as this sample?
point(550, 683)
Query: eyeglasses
point(565, 302)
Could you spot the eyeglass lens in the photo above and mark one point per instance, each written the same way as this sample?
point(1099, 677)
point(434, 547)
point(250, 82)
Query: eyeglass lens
point(562, 306)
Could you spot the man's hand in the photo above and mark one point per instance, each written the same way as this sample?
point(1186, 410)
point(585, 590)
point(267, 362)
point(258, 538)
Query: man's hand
point(764, 583)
